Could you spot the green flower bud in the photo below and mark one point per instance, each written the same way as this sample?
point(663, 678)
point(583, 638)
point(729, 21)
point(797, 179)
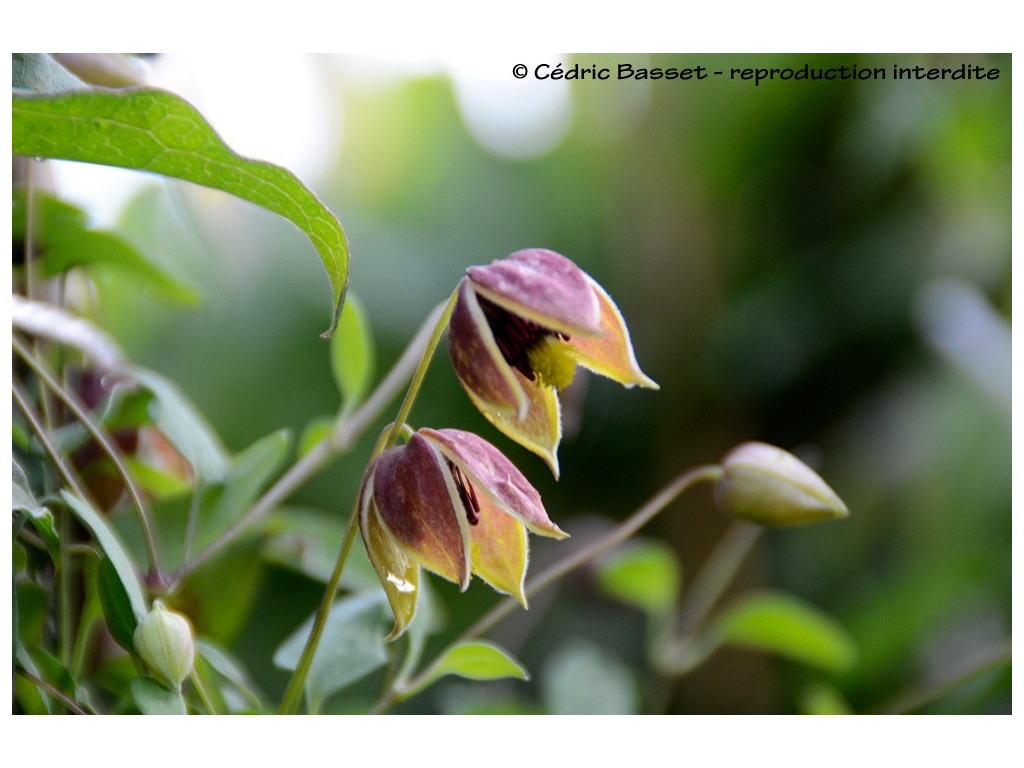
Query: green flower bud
point(769, 486)
point(164, 642)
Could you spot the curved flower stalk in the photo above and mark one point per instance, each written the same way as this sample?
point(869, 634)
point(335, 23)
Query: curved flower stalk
point(450, 502)
point(519, 328)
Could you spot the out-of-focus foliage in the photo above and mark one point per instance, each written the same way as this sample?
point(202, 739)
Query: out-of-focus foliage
point(811, 264)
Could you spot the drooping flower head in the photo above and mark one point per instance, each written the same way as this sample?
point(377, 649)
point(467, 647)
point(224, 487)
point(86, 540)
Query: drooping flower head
point(519, 328)
point(450, 502)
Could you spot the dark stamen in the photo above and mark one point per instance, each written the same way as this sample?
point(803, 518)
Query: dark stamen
point(467, 494)
point(515, 336)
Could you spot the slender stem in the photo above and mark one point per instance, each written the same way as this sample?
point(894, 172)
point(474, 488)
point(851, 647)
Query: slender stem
point(926, 692)
point(204, 697)
point(717, 573)
point(289, 702)
point(678, 651)
point(34, 422)
point(81, 413)
point(345, 433)
point(65, 607)
point(619, 534)
point(58, 694)
point(421, 372)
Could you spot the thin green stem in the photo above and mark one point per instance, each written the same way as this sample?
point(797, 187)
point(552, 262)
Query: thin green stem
point(81, 413)
point(64, 605)
point(923, 693)
point(679, 650)
point(51, 689)
point(204, 697)
point(36, 425)
point(290, 700)
point(344, 435)
point(421, 371)
point(717, 573)
point(619, 534)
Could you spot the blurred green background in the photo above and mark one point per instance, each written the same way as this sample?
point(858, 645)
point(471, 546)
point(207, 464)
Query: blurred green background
point(820, 265)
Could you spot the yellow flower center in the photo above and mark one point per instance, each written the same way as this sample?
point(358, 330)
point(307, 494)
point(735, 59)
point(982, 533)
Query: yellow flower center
point(552, 360)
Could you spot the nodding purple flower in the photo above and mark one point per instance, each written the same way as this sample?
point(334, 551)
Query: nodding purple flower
point(519, 328)
point(450, 502)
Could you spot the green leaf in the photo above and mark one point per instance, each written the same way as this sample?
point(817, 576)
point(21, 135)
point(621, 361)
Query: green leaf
point(228, 667)
point(319, 427)
point(307, 541)
point(182, 424)
point(156, 131)
point(476, 661)
point(117, 607)
point(40, 72)
point(111, 545)
point(351, 646)
point(819, 698)
point(782, 624)
point(41, 518)
point(352, 353)
point(581, 678)
point(247, 473)
point(645, 573)
point(153, 699)
point(63, 235)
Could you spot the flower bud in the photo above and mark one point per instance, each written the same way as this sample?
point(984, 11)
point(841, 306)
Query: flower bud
point(164, 642)
point(769, 486)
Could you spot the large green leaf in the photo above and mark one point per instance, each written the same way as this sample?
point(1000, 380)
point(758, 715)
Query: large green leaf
point(349, 648)
point(784, 625)
point(40, 72)
point(42, 519)
point(647, 574)
point(476, 661)
point(581, 678)
point(247, 473)
point(112, 546)
point(182, 424)
point(63, 234)
point(152, 130)
point(153, 699)
point(352, 354)
point(117, 607)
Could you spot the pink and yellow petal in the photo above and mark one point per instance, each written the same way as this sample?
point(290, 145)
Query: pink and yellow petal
point(499, 550)
point(610, 354)
point(541, 286)
point(541, 429)
point(495, 477)
point(399, 575)
point(412, 495)
point(478, 361)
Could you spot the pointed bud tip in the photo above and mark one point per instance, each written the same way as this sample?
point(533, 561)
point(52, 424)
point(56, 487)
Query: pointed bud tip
point(764, 484)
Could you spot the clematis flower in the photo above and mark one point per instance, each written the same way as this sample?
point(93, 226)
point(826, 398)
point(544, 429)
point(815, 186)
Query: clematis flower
point(519, 328)
point(450, 502)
